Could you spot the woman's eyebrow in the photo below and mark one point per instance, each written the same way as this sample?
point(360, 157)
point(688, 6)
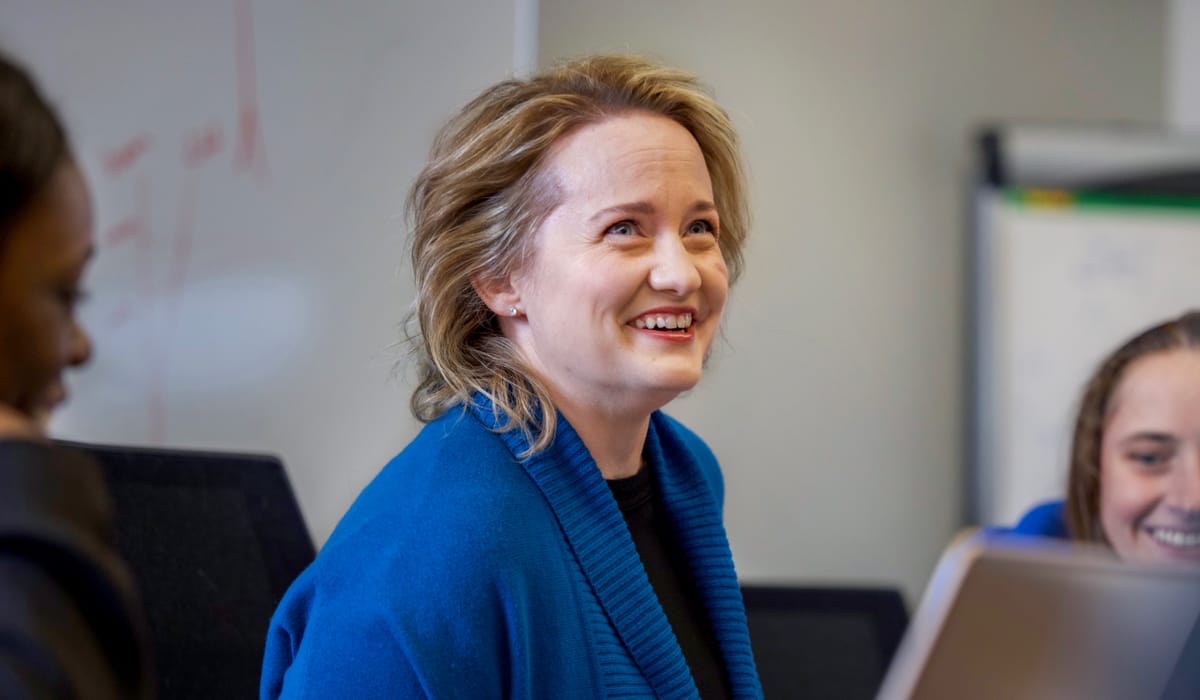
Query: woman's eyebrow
point(1149, 436)
point(641, 207)
point(646, 209)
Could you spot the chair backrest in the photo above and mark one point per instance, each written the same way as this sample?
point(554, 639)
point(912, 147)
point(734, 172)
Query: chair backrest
point(821, 642)
point(214, 540)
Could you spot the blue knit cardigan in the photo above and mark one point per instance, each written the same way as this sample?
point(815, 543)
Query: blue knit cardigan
point(464, 572)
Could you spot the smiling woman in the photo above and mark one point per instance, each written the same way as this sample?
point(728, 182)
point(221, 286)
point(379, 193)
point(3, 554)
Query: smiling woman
point(1134, 480)
point(70, 625)
point(1150, 459)
point(41, 273)
point(551, 532)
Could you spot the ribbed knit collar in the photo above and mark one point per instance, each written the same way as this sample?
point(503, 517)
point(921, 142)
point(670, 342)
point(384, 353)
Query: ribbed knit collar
point(593, 525)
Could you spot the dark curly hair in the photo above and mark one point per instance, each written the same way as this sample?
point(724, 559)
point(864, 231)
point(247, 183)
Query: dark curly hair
point(33, 143)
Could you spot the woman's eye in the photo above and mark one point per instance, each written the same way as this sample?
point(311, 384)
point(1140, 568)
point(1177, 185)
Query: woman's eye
point(700, 226)
point(622, 228)
point(1148, 459)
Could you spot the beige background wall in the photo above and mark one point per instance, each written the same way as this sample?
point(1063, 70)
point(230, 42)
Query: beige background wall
point(1183, 64)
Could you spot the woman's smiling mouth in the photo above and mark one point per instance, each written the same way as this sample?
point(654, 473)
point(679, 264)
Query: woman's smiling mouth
point(1179, 539)
point(664, 322)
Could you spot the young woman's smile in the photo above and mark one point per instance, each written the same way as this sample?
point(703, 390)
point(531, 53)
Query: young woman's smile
point(1150, 459)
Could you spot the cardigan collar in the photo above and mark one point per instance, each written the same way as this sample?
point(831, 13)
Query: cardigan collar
point(592, 523)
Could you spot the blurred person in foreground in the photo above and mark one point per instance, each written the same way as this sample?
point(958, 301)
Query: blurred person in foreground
point(70, 624)
point(551, 532)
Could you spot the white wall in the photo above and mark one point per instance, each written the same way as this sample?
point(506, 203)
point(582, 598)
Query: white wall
point(254, 304)
point(836, 404)
point(1183, 64)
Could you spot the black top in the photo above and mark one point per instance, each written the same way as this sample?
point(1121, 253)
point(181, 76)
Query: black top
point(70, 623)
point(666, 566)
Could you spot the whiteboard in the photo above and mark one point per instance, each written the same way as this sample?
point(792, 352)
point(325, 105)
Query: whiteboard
point(1060, 286)
point(249, 160)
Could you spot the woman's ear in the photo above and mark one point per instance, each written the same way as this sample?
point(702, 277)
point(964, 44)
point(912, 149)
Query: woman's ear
point(498, 294)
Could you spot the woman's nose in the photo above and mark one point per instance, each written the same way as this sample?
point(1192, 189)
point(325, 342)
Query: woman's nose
point(80, 350)
point(1184, 496)
point(674, 268)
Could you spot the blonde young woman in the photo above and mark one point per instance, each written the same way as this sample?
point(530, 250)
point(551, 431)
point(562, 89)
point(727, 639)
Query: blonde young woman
point(551, 532)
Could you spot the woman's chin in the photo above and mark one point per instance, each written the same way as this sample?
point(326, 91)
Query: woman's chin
point(677, 376)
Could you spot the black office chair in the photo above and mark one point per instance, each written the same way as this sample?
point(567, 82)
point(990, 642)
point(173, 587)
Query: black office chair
point(214, 540)
point(823, 643)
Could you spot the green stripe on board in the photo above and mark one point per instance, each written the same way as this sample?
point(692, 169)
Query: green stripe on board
point(1061, 199)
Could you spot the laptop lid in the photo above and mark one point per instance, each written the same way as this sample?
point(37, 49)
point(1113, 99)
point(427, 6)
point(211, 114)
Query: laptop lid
point(1017, 617)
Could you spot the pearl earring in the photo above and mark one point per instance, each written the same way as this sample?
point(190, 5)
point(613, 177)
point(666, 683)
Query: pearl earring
point(512, 310)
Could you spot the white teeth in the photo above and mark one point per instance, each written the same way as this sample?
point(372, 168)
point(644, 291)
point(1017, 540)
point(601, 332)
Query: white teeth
point(664, 321)
point(1176, 538)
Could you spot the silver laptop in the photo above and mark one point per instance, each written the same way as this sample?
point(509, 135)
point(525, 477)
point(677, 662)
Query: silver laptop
point(1015, 617)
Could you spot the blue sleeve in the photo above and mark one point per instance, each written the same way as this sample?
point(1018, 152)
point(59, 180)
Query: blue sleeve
point(363, 641)
point(313, 652)
point(1044, 520)
point(458, 607)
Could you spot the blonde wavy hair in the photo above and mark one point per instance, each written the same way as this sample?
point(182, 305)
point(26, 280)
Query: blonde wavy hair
point(478, 201)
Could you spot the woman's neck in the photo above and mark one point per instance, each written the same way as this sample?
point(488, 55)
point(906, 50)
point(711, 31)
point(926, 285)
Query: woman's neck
point(615, 440)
